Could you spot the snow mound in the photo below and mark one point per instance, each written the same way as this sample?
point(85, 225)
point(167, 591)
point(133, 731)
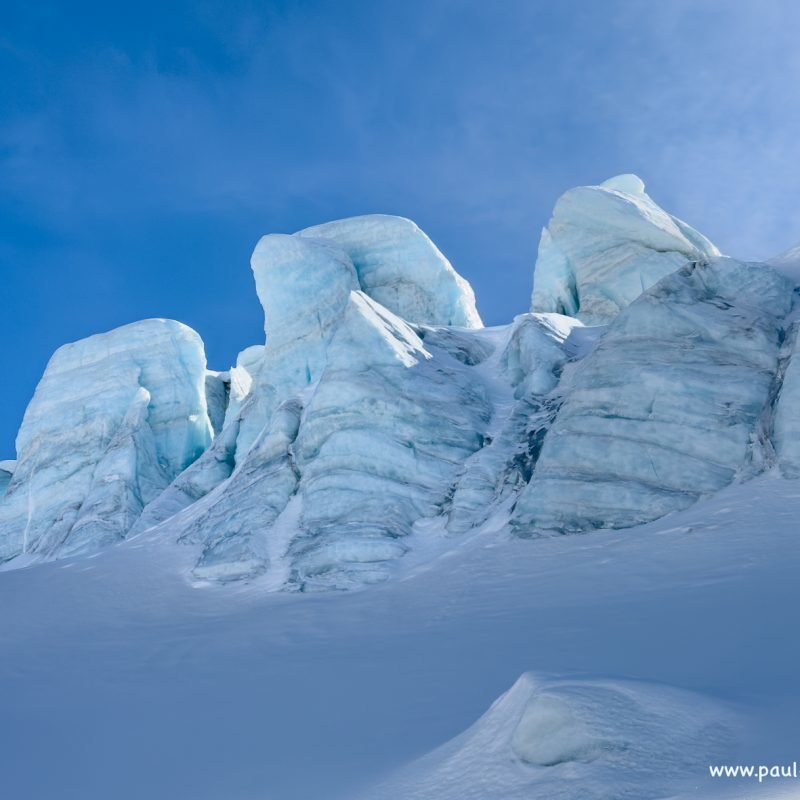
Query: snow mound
point(114, 419)
point(605, 245)
point(402, 269)
point(574, 740)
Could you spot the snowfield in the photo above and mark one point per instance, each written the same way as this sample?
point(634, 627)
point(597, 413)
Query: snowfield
point(673, 646)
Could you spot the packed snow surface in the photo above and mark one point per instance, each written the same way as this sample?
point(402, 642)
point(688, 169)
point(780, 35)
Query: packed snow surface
point(660, 650)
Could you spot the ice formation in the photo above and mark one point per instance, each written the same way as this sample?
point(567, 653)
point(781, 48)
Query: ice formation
point(379, 413)
point(402, 269)
point(667, 407)
point(605, 245)
point(114, 419)
point(786, 421)
point(6, 471)
point(381, 444)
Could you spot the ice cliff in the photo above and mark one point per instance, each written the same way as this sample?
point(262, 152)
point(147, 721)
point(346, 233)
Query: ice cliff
point(379, 416)
point(605, 245)
point(114, 419)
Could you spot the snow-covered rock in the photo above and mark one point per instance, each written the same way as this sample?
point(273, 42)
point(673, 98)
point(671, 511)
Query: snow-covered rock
point(401, 268)
point(668, 407)
point(573, 738)
point(114, 419)
point(605, 245)
point(788, 264)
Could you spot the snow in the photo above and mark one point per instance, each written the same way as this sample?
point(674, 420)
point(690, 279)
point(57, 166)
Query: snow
point(128, 682)
point(115, 417)
point(402, 269)
point(605, 245)
point(566, 738)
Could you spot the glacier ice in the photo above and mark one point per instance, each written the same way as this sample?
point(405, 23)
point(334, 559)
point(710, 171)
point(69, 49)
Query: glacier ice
point(113, 420)
point(529, 363)
point(218, 387)
point(304, 285)
point(371, 447)
point(382, 440)
point(379, 411)
point(402, 269)
point(605, 245)
point(6, 471)
point(668, 405)
point(786, 420)
point(240, 380)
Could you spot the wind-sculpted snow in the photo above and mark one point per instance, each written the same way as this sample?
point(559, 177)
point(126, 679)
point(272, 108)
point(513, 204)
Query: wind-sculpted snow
point(669, 405)
point(114, 419)
point(570, 739)
point(401, 268)
point(605, 245)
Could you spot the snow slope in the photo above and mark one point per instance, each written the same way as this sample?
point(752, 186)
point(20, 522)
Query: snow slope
point(122, 680)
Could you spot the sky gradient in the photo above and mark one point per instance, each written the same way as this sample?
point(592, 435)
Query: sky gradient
point(145, 147)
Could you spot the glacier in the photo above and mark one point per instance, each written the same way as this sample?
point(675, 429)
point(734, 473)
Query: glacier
point(6, 471)
point(380, 423)
point(668, 405)
point(605, 245)
point(381, 434)
point(402, 269)
point(114, 419)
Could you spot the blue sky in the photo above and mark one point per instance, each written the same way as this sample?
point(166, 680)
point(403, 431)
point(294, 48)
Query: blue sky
point(145, 147)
